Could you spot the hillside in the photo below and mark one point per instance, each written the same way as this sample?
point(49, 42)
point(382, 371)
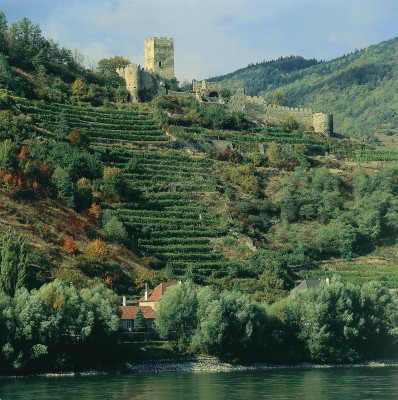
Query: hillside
point(107, 190)
point(193, 208)
point(359, 88)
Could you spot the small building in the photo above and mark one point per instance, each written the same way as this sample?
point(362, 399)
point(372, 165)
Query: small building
point(308, 284)
point(153, 298)
point(149, 303)
point(128, 317)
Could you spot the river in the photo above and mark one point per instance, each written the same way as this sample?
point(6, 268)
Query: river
point(312, 384)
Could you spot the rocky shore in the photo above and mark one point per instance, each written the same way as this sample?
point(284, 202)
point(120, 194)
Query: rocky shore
point(214, 365)
point(209, 364)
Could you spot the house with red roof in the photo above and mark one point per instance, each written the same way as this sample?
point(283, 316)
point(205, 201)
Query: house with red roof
point(149, 303)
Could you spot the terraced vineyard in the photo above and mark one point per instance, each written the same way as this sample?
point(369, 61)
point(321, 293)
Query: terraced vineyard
point(358, 274)
point(167, 216)
point(168, 221)
point(256, 136)
point(135, 125)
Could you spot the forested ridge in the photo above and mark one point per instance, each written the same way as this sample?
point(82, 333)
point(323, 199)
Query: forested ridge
point(359, 88)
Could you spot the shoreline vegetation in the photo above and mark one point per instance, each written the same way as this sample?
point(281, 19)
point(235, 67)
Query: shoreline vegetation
point(208, 364)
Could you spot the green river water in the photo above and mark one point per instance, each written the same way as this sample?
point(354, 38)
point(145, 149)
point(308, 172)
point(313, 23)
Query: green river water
point(314, 384)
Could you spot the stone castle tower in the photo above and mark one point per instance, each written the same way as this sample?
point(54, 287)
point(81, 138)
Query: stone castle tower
point(144, 84)
point(159, 57)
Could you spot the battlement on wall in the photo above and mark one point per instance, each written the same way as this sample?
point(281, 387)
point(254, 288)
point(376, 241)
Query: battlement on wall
point(257, 110)
point(161, 39)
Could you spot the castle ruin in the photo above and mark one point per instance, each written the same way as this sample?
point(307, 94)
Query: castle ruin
point(257, 110)
point(145, 84)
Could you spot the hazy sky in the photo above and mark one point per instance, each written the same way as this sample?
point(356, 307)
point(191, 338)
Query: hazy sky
point(212, 37)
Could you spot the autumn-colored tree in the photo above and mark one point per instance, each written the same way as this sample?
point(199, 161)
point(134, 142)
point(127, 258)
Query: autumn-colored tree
point(243, 176)
point(95, 210)
point(79, 138)
point(79, 89)
point(97, 250)
point(113, 180)
point(274, 154)
point(70, 245)
point(45, 232)
point(23, 155)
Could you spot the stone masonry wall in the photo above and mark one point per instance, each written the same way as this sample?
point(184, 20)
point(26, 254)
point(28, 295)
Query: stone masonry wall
point(257, 110)
point(205, 86)
point(141, 84)
point(159, 57)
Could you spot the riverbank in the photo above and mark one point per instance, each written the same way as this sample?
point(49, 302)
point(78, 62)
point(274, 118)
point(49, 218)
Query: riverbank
point(208, 364)
point(214, 365)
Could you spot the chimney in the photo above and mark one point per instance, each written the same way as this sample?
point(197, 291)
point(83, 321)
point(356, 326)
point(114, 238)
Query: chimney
point(124, 301)
point(146, 291)
point(328, 281)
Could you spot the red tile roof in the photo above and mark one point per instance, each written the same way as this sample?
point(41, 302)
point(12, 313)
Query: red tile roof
point(129, 312)
point(157, 293)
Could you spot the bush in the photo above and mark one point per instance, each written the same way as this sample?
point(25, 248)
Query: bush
point(97, 250)
point(113, 181)
point(116, 231)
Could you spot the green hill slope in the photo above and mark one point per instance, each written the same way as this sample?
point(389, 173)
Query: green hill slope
point(360, 89)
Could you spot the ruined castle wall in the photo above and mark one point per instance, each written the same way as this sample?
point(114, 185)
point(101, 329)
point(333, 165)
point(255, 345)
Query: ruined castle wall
point(140, 83)
point(323, 123)
point(205, 86)
point(196, 85)
point(159, 57)
point(257, 110)
point(132, 77)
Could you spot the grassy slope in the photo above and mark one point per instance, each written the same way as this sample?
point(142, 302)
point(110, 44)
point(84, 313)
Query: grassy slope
point(360, 89)
point(46, 225)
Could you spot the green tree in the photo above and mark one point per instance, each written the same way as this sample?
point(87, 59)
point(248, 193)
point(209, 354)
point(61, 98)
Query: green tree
point(232, 328)
point(107, 68)
point(114, 181)
point(279, 98)
point(116, 230)
point(122, 94)
point(139, 321)
point(62, 128)
point(274, 154)
point(25, 42)
point(13, 263)
point(3, 33)
point(344, 323)
point(177, 313)
point(225, 93)
point(7, 155)
point(83, 196)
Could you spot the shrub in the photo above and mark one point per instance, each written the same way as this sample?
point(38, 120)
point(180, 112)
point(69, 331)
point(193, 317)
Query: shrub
point(113, 180)
point(97, 250)
point(70, 245)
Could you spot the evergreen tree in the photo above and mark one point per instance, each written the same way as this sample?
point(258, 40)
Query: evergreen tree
point(3, 33)
point(139, 321)
point(22, 261)
point(62, 129)
point(13, 263)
